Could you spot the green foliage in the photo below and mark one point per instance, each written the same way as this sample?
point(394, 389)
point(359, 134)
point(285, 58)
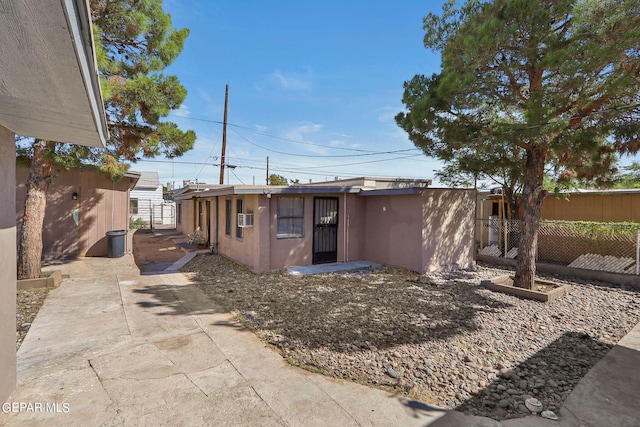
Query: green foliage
point(135, 223)
point(527, 86)
point(559, 75)
point(277, 180)
point(592, 232)
point(630, 178)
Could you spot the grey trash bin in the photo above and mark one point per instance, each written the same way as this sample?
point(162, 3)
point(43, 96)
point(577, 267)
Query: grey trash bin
point(115, 243)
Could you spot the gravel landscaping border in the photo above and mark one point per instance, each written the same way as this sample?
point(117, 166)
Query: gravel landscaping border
point(28, 303)
point(440, 338)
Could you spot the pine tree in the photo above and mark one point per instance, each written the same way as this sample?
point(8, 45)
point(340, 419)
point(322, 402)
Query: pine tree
point(550, 83)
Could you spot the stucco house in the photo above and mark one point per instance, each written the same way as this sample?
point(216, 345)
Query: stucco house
point(396, 222)
point(49, 89)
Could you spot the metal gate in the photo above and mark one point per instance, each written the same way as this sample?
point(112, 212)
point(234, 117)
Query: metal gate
point(325, 230)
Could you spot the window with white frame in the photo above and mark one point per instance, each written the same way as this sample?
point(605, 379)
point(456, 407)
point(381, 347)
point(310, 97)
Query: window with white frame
point(290, 217)
point(133, 206)
point(239, 210)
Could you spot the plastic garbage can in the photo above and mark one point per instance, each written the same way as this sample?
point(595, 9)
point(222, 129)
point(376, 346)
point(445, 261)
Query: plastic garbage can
point(115, 243)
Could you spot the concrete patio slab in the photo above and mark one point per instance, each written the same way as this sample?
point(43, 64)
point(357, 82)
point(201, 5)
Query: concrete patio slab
point(332, 267)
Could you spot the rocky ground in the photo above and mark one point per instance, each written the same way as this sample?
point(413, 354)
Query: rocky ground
point(28, 302)
point(441, 338)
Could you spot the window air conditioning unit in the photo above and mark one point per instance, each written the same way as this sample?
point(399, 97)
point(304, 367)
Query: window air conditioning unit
point(245, 220)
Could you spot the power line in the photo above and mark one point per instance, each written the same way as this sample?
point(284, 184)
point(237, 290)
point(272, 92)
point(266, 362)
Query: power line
point(270, 135)
point(324, 155)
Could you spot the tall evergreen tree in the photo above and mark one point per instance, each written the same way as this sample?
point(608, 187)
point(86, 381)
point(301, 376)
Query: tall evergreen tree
point(135, 42)
point(553, 83)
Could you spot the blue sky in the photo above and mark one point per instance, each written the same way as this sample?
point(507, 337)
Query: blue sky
point(314, 86)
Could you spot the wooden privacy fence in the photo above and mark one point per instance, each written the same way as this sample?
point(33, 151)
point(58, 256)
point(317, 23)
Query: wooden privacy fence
point(604, 246)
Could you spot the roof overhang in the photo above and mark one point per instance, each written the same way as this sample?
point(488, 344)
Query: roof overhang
point(268, 190)
point(49, 85)
point(411, 191)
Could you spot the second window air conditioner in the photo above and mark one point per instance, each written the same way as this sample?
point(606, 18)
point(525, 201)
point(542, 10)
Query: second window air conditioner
point(245, 220)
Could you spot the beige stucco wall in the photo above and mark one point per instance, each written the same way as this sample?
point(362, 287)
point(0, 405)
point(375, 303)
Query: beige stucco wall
point(242, 250)
point(299, 251)
point(448, 235)
point(291, 251)
point(8, 271)
point(393, 230)
point(357, 230)
point(102, 205)
point(187, 224)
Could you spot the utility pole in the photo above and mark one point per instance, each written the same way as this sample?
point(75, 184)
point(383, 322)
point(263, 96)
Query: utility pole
point(224, 134)
point(267, 170)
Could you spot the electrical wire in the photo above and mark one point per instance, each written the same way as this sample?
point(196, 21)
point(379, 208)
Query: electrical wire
point(323, 155)
point(270, 135)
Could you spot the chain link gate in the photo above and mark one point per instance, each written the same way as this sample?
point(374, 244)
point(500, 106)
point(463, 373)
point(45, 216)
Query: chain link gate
point(604, 246)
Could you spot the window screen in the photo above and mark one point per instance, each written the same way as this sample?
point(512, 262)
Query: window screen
point(290, 217)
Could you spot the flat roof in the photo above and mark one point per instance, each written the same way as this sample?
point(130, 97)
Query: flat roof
point(266, 190)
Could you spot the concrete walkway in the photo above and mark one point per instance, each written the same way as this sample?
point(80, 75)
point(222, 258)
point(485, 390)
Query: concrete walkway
point(115, 348)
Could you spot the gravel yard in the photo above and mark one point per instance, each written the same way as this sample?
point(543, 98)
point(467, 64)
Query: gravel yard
point(28, 303)
point(441, 338)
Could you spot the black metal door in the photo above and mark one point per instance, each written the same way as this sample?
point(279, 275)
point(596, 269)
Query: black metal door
point(325, 230)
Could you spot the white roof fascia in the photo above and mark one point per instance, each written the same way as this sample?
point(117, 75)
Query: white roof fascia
point(78, 13)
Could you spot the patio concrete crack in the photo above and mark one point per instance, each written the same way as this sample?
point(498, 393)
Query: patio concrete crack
point(195, 385)
point(111, 401)
point(124, 313)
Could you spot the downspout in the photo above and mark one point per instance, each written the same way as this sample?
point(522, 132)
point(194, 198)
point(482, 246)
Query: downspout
point(346, 231)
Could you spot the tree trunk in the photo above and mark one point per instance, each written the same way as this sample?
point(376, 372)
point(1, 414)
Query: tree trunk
point(532, 197)
point(512, 201)
point(30, 247)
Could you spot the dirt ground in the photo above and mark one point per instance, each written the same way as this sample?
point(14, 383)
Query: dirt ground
point(155, 250)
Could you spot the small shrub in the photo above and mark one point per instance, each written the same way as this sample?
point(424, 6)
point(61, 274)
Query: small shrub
point(136, 223)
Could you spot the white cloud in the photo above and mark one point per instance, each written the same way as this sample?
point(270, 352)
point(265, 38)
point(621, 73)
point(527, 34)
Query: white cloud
point(291, 80)
point(183, 111)
point(302, 130)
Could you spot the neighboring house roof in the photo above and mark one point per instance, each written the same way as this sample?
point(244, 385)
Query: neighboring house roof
point(49, 87)
point(190, 188)
point(574, 192)
point(147, 180)
point(605, 192)
point(378, 183)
